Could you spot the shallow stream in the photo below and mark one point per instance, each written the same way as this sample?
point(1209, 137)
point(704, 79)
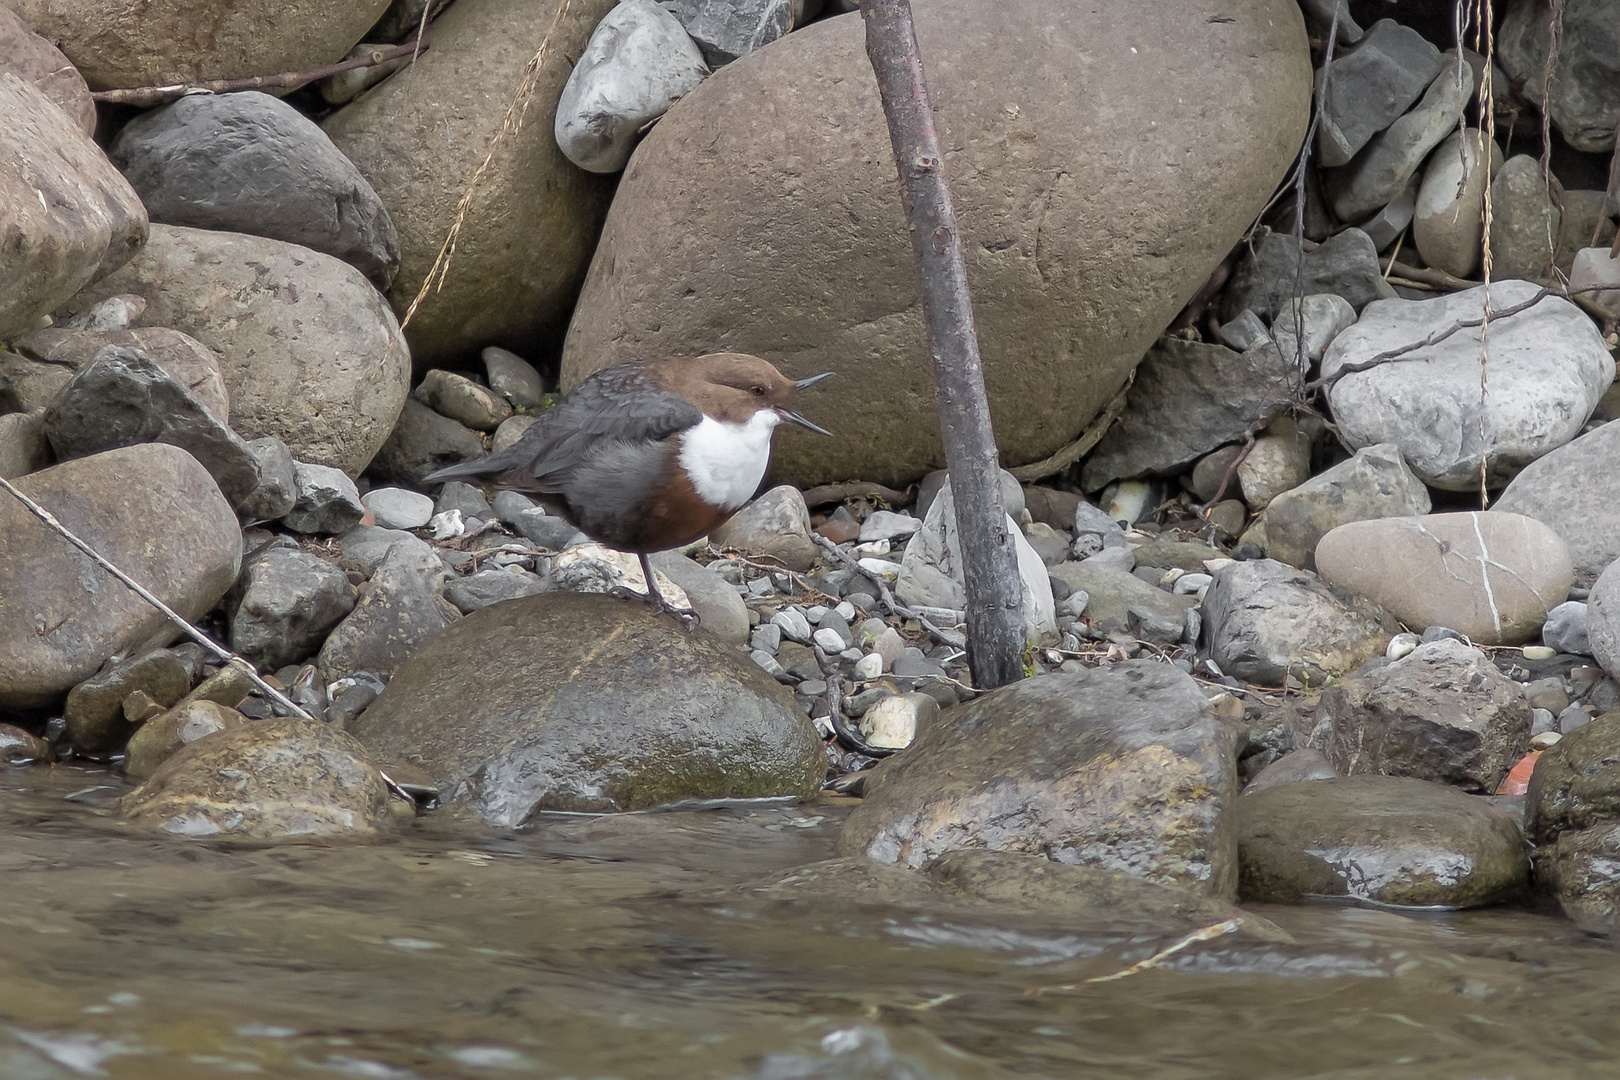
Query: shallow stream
point(617, 947)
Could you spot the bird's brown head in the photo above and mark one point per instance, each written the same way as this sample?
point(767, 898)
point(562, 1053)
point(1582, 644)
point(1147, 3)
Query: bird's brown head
point(732, 387)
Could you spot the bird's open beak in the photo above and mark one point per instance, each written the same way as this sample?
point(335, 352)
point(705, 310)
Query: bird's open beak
point(795, 418)
point(805, 384)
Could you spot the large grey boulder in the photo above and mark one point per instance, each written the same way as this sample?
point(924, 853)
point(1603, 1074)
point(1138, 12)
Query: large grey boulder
point(1121, 767)
point(302, 338)
point(1576, 490)
point(251, 163)
point(402, 606)
point(638, 62)
point(151, 510)
point(1576, 784)
point(1585, 101)
point(1188, 399)
point(526, 239)
point(289, 600)
point(589, 703)
point(1391, 158)
point(1545, 370)
point(1375, 483)
point(1267, 280)
point(67, 217)
point(123, 398)
point(1603, 620)
point(1389, 840)
point(1265, 621)
point(739, 182)
point(1442, 712)
point(1371, 86)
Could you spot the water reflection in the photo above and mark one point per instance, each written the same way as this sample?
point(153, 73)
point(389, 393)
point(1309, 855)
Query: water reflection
point(619, 947)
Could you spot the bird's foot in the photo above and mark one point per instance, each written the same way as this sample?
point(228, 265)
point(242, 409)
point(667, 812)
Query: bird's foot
point(688, 618)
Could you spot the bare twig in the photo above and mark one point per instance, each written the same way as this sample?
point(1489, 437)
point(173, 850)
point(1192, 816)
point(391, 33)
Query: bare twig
point(173, 616)
point(1081, 446)
point(1205, 933)
point(146, 96)
point(855, 489)
point(1428, 276)
point(886, 597)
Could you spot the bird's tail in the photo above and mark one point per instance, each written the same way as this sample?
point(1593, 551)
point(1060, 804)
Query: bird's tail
point(495, 464)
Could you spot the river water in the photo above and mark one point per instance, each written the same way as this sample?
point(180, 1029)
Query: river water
point(620, 947)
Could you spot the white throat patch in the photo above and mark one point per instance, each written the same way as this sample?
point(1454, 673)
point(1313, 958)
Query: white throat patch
point(727, 461)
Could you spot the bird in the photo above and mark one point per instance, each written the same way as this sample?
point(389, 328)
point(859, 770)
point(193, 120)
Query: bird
point(650, 455)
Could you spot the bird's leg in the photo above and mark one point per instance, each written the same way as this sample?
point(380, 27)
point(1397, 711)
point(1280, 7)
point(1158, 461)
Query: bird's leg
point(685, 616)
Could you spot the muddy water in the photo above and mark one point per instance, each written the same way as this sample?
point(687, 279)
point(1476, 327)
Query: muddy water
point(611, 947)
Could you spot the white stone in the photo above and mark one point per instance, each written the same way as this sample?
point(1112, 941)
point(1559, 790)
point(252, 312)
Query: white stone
point(638, 61)
point(397, 508)
point(846, 610)
point(881, 569)
point(793, 624)
point(887, 525)
point(892, 722)
point(1594, 267)
point(447, 525)
point(1539, 652)
point(595, 568)
point(828, 639)
point(1401, 645)
point(869, 666)
point(871, 549)
point(1191, 583)
point(1546, 369)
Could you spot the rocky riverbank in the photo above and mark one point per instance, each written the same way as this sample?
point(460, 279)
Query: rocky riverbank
point(1317, 570)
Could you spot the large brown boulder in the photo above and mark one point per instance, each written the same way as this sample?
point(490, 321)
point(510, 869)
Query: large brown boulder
point(152, 511)
point(527, 236)
point(66, 215)
point(34, 60)
point(116, 43)
point(1100, 171)
point(308, 349)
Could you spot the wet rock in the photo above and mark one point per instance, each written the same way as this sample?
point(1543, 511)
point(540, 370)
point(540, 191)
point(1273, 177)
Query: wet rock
point(1576, 783)
point(95, 708)
point(1585, 99)
point(1345, 265)
point(931, 568)
point(69, 216)
point(1447, 227)
point(720, 610)
point(1371, 86)
point(180, 41)
point(18, 747)
point(277, 490)
point(525, 242)
point(155, 741)
point(422, 442)
point(1525, 220)
point(1491, 576)
point(270, 780)
point(60, 615)
point(589, 703)
point(700, 179)
point(1443, 713)
point(488, 587)
point(777, 525)
point(1580, 870)
point(303, 339)
point(1112, 592)
point(327, 501)
point(1576, 490)
point(1391, 840)
point(1392, 157)
point(23, 446)
point(123, 398)
point(1121, 767)
point(1603, 620)
point(1188, 399)
point(401, 608)
point(462, 400)
point(1300, 766)
point(1265, 621)
point(514, 378)
point(1374, 483)
point(1546, 369)
point(35, 60)
point(397, 508)
point(250, 163)
point(289, 600)
point(1306, 327)
point(62, 352)
point(638, 62)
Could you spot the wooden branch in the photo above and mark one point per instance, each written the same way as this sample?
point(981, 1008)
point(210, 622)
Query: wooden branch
point(1082, 446)
point(1434, 279)
point(995, 643)
point(146, 96)
point(855, 489)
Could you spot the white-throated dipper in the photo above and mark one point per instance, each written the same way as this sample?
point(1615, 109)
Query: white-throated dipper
point(653, 454)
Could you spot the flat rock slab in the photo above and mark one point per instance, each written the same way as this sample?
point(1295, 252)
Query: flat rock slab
point(1443, 712)
point(1375, 483)
point(1265, 621)
point(1122, 768)
point(1113, 592)
point(156, 514)
point(1387, 839)
point(1491, 576)
point(794, 247)
point(270, 780)
point(589, 703)
point(1577, 782)
point(1545, 370)
point(1576, 490)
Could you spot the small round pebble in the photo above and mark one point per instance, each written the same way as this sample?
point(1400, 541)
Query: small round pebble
point(869, 666)
point(1539, 652)
point(396, 508)
point(1400, 645)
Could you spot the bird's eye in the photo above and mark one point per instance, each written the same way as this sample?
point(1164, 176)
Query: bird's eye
point(757, 391)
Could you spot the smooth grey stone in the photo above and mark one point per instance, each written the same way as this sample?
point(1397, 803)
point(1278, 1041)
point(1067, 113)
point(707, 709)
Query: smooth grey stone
point(1243, 331)
point(1371, 86)
point(1322, 316)
point(767, 637)
point(1374, 483)
point(285, 602)
point(793, 624)
point(1432, 634)
point(1571, 718)
point(1585, 93)
point(1095, 531)
point(886, 525)
point(1447, 227)
point(421, 442)
point(1575, 490)
point(1383, 227)
point(1525, 220)
point(1543, 721)
point(511, 505)
point(929, 487)
point(456, 495)
point(1603, 622)
point(1321, 16)
point(248, 162)
point(513, 377)
point(365, 547)
point(328, 501)
point(728, 29)
point(487, 587)
point(547, 530)
point(397, 508)
point(720, 610)
point(277, 490)
point(1565, 629)
point(1392, 157)
point(1345, 264)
